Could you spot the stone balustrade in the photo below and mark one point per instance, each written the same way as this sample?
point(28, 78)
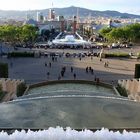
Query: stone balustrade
point(10, 85)
point(132, 87)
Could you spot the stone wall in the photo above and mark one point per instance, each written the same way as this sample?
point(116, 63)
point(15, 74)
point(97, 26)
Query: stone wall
point(132, 87)
point(9, 86)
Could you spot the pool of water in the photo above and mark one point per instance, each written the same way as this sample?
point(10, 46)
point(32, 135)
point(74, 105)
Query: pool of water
point(70, 88)
point(75, 112)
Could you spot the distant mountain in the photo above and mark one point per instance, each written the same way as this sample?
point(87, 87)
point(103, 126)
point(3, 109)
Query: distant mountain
point(67, 12)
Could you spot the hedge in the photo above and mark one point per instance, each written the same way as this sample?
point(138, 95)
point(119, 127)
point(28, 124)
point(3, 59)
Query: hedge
point(122, 91)
point(125, 55)
point(3, 70)
point(21, 54)
point(137, 71)
point(21, 89)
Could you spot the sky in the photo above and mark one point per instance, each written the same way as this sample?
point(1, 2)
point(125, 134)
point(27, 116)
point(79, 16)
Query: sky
point(129, 6)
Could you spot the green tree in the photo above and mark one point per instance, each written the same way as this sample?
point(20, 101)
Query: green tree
point(28, 34)
point(127, 33)
point(18, 34)
point(105, 31)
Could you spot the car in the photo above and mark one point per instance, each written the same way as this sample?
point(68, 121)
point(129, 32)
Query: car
point(67, 54)
point(74, 54)
point(46, 54)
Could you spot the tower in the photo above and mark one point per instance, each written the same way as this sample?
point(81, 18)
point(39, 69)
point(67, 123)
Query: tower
point(51, 14)
point(74, 24)
point(62, 23)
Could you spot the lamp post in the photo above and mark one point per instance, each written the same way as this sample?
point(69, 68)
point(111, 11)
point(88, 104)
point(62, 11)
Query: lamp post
point(0, 48)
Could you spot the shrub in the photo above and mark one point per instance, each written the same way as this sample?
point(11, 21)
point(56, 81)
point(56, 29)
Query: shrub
point(122, 91)
point(125, 55)
point(21, 89)
point(21, 54)
point(3, 70)
point(137, 71)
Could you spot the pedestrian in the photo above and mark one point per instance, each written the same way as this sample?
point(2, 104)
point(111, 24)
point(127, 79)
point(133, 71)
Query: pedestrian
point(50, 64)
point(86, 69)
point(45, 64)
point(92, 72)
point(48, 74)
point(107, 64)
point(95, 79)
point(62, 73)
point(71, 69)
point(74, 75)
point(104, 64)
point(55, 59)
point(59, 77)
point(90, 68)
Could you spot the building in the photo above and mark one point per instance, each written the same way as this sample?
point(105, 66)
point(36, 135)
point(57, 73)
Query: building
point(51, 14)
point(40, 17)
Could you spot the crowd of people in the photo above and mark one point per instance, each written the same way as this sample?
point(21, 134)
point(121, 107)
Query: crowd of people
point(65, 69)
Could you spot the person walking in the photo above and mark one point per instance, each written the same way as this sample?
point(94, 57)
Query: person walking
point(50, 64)
point(45, 64)
point(86, 69)
point(74, 75)
point(92, 71)
point(48, 75)
point(71, 69)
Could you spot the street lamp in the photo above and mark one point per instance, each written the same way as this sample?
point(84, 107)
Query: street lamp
point(0, 48)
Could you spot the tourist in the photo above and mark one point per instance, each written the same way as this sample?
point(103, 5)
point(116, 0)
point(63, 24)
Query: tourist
point(95, 79)
point(52, 58)
point(45, 64)
point(86, 69)
point(50, 64)
point(90, 68)
point(92, 72)
point(107, 63)
point(48, 74)
point(62, 73)
point(74, 75)
point(71, 69)
point(55, 59)
point(104, 64)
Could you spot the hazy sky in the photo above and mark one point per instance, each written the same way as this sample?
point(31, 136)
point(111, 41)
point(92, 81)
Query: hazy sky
point(130, 6)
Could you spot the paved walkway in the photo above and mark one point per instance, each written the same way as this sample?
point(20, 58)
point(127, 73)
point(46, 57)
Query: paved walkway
point(33, 70)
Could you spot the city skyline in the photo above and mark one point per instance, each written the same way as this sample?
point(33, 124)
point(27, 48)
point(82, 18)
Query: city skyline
point(128, 6)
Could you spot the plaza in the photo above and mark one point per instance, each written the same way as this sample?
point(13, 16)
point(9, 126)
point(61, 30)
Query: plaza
point(33, 70)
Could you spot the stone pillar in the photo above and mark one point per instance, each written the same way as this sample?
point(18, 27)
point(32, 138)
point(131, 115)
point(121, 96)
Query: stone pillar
point(62, 24)
point(74, 24)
